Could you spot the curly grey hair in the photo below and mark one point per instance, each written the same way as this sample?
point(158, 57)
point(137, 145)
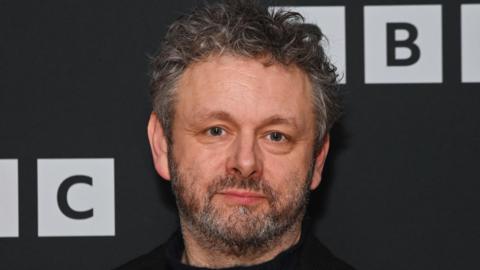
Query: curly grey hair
point(245, 28)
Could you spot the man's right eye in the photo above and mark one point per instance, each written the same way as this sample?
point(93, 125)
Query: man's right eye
point(215, 131)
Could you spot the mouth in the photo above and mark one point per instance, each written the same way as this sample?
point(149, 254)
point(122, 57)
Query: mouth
point(241, 197)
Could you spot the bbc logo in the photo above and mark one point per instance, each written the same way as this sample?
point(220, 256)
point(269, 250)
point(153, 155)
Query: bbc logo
point(9, 198)
point(75, 197)
point(402, 43)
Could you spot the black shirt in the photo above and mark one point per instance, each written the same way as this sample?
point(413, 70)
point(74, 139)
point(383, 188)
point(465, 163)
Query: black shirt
point(287, 260)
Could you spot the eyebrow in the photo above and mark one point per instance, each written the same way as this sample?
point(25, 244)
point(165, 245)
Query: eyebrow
point(225, 116)
point(279, 120)
point(216, 115)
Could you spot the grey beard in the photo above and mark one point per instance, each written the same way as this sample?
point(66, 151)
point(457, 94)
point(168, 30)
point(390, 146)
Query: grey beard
point(242, 232)
point(257, 235)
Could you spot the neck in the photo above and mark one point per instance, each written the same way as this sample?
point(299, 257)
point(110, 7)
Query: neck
point(199, 252)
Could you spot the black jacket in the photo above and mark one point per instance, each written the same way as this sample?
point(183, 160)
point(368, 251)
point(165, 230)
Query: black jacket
point(308, 254)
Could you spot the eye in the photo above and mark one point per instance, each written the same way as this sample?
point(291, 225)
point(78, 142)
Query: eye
point(276, 136)
point(215, 131)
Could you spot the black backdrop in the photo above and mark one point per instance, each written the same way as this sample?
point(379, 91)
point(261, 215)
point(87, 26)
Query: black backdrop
point(400, 190)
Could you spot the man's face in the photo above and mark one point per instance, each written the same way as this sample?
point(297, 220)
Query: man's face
point(241, 160)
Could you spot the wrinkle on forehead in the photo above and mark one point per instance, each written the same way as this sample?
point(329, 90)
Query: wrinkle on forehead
point(247, 86)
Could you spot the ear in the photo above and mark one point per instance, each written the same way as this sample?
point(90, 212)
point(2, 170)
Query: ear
point(319, 162)
point(158, 145)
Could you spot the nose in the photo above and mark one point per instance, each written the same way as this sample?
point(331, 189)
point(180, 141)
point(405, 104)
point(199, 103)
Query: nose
point(245, 159)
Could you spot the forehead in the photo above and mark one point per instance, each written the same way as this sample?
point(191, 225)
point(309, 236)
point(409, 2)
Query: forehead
point(245, 89)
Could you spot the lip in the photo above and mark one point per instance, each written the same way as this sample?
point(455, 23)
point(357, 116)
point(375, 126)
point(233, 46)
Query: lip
point(242, 197)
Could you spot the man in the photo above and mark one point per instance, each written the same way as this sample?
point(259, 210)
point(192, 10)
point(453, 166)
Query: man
point(243, 99)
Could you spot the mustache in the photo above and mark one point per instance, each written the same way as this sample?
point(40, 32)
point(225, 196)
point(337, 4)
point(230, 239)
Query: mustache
point(249, 184)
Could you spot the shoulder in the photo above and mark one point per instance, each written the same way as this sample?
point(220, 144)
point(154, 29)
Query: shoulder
point(155, 259)
point(316, 256)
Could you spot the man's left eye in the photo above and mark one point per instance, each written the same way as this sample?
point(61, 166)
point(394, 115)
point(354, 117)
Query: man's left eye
point(216, 131)
point(276, 136)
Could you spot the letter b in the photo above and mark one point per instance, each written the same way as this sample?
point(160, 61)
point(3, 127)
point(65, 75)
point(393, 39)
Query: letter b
point(393, 43)
point(8, 198)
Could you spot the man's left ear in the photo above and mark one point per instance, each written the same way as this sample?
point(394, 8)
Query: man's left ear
point(320, 162)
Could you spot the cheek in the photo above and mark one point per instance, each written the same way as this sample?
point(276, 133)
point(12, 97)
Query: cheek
point(287, 172)
point(200, 165)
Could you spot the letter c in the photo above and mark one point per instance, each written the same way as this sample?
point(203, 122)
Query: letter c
point(62, 197)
